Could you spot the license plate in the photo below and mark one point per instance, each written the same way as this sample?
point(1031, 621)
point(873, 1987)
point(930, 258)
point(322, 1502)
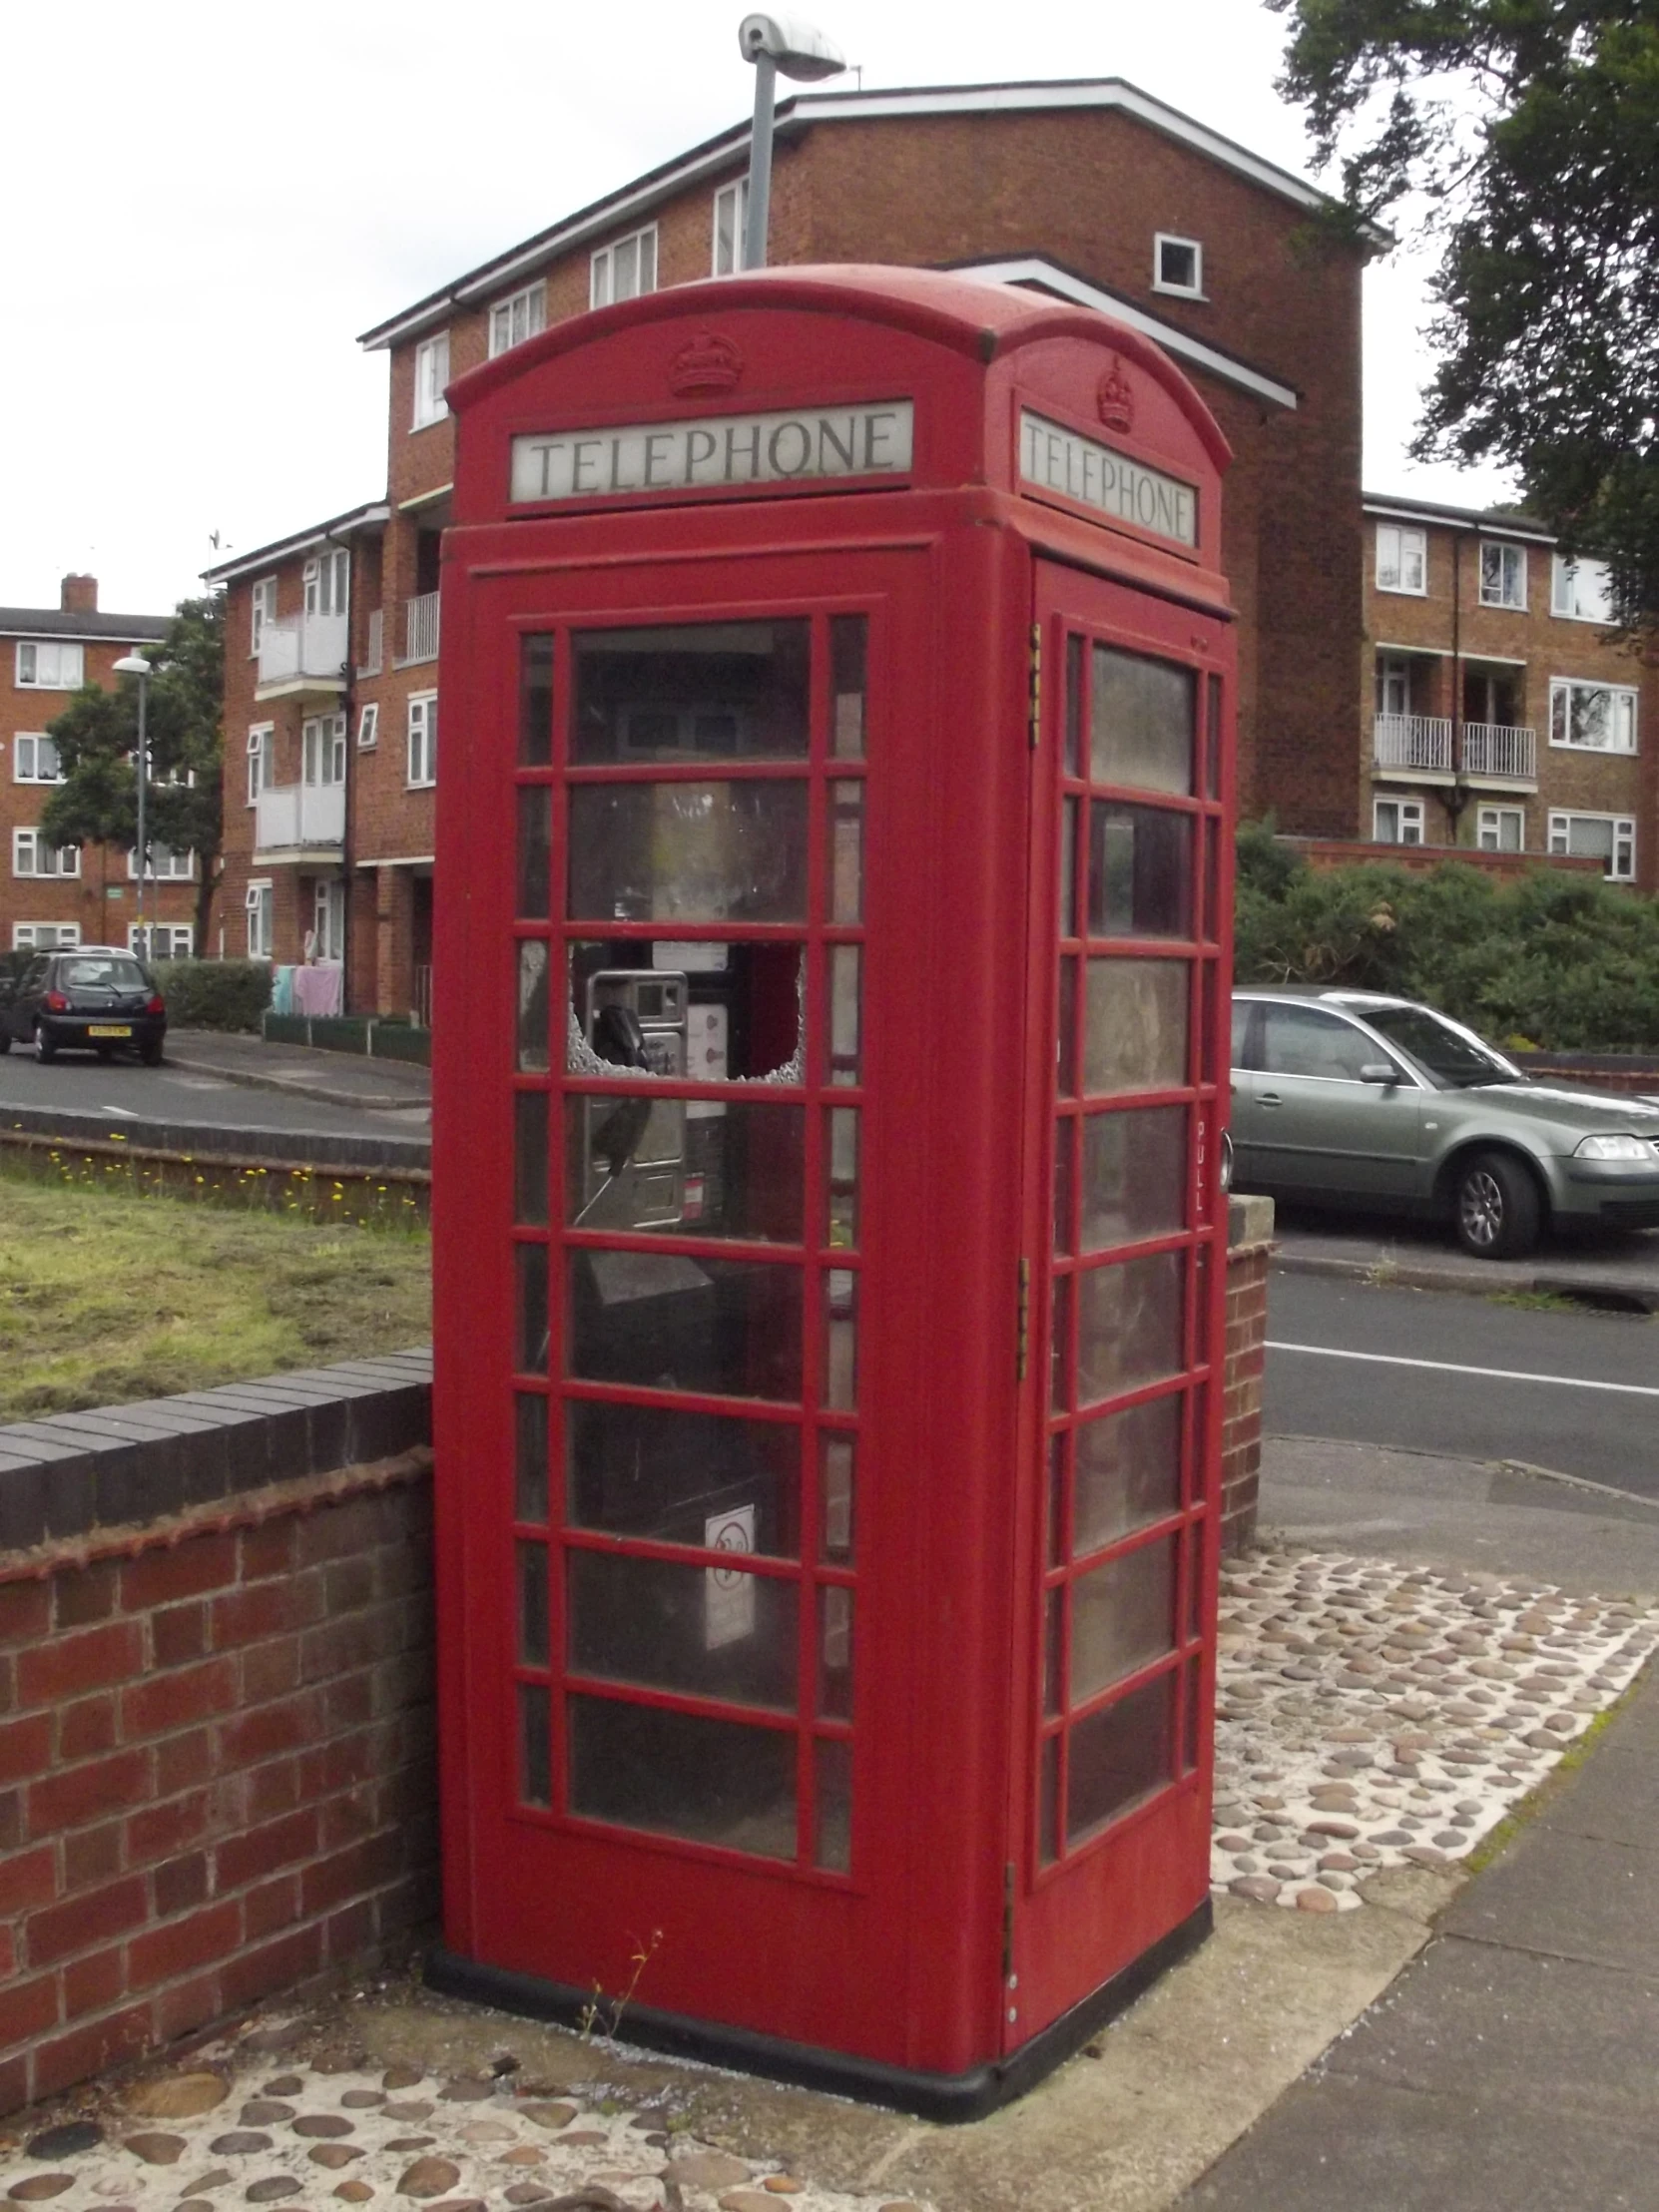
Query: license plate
point(108, 1029)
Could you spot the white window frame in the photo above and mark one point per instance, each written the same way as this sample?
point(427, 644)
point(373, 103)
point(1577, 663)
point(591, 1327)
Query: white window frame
point(1512, 570)
point(1409, 816)
point(432, 373)
point(601, 275)
point(1161, 283)
point(1569, 580)
point(173, 931)
point(27, 845)
point(421, 729)
point(328, 581)
point(521, 316)
point(34, 739)
point(62, 656)
point(1488, 828)
point(323, 750)
point(261, 608)
point(262, 743)
point(258, 903)
point(1393, 676)
point(730, 204)
point(165, 866)
point(1621, 714)
point(1397, 544)
point(369, 726)
point(1621, 860)
point(328, 918)
point(26, 935)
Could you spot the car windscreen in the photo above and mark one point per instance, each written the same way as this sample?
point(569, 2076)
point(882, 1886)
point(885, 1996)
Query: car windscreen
point(1455, 1058)
point(102, 976)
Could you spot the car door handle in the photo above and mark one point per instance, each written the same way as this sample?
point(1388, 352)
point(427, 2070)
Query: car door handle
point(1267, 1098)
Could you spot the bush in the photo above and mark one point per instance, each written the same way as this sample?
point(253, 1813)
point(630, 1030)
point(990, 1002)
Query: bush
point(215, 995)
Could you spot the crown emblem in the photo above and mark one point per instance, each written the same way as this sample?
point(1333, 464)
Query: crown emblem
point(1116, 399)
point(709, 363)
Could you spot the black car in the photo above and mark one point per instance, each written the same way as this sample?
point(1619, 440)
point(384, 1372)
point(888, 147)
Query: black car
point(88, 997)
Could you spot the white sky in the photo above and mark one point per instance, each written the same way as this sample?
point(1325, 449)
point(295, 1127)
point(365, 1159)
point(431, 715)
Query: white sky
point(209, 201)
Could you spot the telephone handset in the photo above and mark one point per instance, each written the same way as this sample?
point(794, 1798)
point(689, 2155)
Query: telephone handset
point(633, 1171)
point(618, 1037)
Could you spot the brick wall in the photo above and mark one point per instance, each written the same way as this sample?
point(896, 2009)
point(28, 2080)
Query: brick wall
point(1505, 867)
point(1250, 1242)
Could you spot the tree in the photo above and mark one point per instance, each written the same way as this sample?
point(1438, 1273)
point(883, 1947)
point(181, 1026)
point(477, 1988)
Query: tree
point(97, 741)
point(1529, 129)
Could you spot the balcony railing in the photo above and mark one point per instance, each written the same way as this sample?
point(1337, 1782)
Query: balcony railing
point(1419, 742)
point(420, 627)
point(374, 659)
point(291, 816)
point(1496, 748)
point(1422, 745)
point(303, 646)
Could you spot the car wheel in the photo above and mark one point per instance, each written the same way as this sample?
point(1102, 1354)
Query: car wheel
point(45, 1049)
point(5, 1038)
point(151, 1054)
point(1495, 1206)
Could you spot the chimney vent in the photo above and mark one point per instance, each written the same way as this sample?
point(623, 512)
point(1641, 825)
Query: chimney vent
point(79, 594)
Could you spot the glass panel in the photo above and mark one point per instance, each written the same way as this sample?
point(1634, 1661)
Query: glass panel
point(847, 851)
point(1207, 1020)
point(532, 1604)
point(1056, 1499)
point(1068, 867)
point(535, 836)
point(715, 691)
point(530, 1334)
point(844, 1014)
point(530, 1157)
point(836, 1483)
point(835, 1653)
point(530, 1458)
point(714, 1632)
point(1053, 1618)
point(1140, 871)
point(1141, 723)
point(712, 1781)
point(696, 1168)
point(1048, 1803)
point(1128, 1473)
point(1134, 1175)
point(532, 1006)
point(1210, 929)
point(1074, 706)
point(1201, 1307)
point(535, 702)
point(683, 1478)
point(1212, 737)
point(848, 653)
point(688, 852)
point(1059, 1357)
point(841, 1168)
point(833, 1787)
point(1122, 1617)
point(1065, 1173)
point(1129, 1325)
point(1135, 1027)
point(841, 1346)
point(1195, 1715)
point(1118, 1755)
point(1195, 1581)
point(1065, 1043)
point(535, 1750)
point(730, 1328)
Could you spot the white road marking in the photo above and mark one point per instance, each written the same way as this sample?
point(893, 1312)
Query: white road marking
point(1448, 1367)
point(126, 1112)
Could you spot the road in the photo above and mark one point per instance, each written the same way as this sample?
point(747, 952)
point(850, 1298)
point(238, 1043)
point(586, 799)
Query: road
point(1465, 1377)
point(122, 1091)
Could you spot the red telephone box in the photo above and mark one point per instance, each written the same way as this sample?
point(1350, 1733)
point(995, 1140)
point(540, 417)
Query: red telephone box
point(831, 1000)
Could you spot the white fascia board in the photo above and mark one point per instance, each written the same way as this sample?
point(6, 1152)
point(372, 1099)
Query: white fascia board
point(265, 557)
point(1454, 518)
point(1032, 270)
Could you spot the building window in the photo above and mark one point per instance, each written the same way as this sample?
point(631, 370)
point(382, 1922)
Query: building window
point(1501, 828)
point(1581, 591)
point(1503, 576)
point(369, 726)
point(261, 739)
point(731, 214)
point(165, 865)
point(625, 270)
point(423, 738)
point(259, 903)
point(35, 760)
point(432, 373)
point(44, 936)
point(1595, 717)
point(1396, 821)
point(44, 665)
point(1393, 684)
point(327, 934)
point(167, 940)
point(262, 609)
point(515, 320)
point(32, 856)
point(1402, 559)
point(1177, 266)
point(323, 749)
point(1607, 838)
point(328, 583)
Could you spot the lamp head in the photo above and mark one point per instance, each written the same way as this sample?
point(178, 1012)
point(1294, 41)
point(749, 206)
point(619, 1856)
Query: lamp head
point(132, 664)
point(795, 49)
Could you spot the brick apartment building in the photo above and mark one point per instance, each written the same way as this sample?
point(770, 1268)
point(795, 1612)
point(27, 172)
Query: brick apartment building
point(1091, 191)
point(1499, 711)
point(50, 896)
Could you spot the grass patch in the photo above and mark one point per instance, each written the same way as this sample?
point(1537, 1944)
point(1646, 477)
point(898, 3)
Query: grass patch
point(107, 1296)
point(1538, 1301)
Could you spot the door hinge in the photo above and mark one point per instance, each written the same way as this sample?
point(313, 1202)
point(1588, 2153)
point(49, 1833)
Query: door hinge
point(1008, 1920)
point(1023, 1318)
point(1036, 682)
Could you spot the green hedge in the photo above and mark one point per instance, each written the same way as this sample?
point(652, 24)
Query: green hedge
point(1553, 959)
point(215, 995)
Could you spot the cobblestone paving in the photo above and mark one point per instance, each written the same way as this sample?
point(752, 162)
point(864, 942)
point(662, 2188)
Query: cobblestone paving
point(257, 2129)
point(1373, 1716)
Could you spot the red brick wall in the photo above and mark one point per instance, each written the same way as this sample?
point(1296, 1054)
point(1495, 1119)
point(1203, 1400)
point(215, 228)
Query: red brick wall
point(215, 1766)
point(1505, 867)
point(1241, 1432)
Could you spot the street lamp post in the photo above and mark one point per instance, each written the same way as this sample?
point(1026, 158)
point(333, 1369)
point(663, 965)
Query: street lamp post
point(776, 43)
point(135, 663)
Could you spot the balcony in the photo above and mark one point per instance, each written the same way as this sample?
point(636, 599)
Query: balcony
point(1412, 744)
point(303, 653)
point(1493, 751)
point(298, 821)
point(420, 629)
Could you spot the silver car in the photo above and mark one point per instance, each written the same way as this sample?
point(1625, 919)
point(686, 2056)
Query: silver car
point(1352, 1098)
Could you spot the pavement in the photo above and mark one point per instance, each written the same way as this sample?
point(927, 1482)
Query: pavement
point(1621, 1268)
point(301, 1071)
